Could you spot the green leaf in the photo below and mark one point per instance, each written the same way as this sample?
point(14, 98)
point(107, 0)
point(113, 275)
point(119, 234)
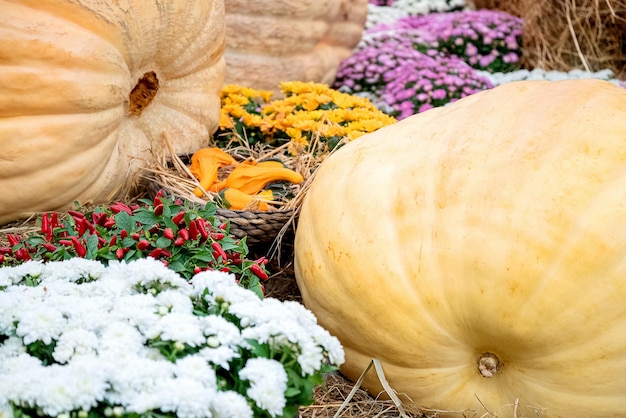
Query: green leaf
point(290, 392)
point(145, 217)
point(163, 242)
point(125, 221)
point(92, 246)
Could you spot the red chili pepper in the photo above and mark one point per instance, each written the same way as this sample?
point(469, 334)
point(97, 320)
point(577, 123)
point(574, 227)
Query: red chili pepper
point(178, 201)
point(81, 250)
point(113, 241)
point(81, 227)
point(223, 226)
point(197, 270)
point(50, 233)
point(118, 207)
point(101, 242)
point(200, 224)
point(225, 269)
point(183, 233)
point(263, 260)
point(76, 214)
point(217, 235)
point(98, 218)
point(109, 222)
point(168, 233)
point(22, 254)
point(45, 223)
point(142, 245)
point(92, 229)
point(50, 247)
point(135, 236)
point(157, 252)
point(180, 241)
point(5, 250)
point(157, 198)
point(158, 209)
point(220, 251)
point(54, 220)
point(258, 272)
point(119, 253)
point(179, 218)
point(165, 263)
point(1, 258)
point(13, 239)
point(124, 233)
point(193, 230)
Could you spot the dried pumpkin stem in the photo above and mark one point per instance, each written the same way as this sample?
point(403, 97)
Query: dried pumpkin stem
point(488, 364)
point(143, 93)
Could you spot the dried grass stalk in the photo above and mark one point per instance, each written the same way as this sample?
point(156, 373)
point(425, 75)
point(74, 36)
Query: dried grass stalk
point(570, 34)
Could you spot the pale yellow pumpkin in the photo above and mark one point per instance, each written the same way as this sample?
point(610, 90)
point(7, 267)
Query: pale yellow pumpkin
point(479, 251)
point(271, 41)
point(88, 89)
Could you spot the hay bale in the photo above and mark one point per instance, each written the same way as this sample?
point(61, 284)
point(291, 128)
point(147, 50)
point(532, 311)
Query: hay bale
point(570, 34)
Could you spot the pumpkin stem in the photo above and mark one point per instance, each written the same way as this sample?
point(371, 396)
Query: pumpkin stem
point(143, 93)
point(488, 364)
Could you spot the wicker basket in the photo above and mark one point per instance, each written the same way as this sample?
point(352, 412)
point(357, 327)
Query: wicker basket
point(261, 228)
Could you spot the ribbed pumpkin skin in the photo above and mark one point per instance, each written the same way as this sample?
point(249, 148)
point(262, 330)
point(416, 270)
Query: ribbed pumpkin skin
point(68, 127)
point(494, 225)
point(271, 41)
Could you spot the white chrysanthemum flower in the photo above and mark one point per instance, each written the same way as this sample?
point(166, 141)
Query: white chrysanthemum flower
point(209, 279)
point(16, 274)
point(175, 301)
point(19, 376)
point(145, 272)
point(333, 348)
point(75, 341)
point(382, 14)
point(497, 79)
point(10, 305)
point(73, 269)
point(248, 312)
point(138, 309)
point(121, 339)
point(188, 398)
point(178, 327)
point(133, 376)
point(231, 405)
point(310, 358)
point(225, 332)
point(11, 347)
point(43, 323)
point(268, 383)
point(220, 356)
point(222, 286)
point(197, 368)
point(6, 411)
point(77, 385)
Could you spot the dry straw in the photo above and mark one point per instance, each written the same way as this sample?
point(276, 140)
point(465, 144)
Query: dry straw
point(570, 34)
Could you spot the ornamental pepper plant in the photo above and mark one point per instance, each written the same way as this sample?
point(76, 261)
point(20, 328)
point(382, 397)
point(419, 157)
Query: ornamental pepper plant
point(187, 238)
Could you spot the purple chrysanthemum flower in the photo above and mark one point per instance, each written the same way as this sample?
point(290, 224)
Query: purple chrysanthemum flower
point(427, 82)
point(488, 40)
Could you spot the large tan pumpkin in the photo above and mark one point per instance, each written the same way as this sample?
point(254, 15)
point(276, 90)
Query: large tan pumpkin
point(479, 251)
point(88, 89)
point(270, 41)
